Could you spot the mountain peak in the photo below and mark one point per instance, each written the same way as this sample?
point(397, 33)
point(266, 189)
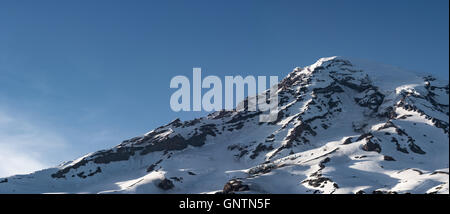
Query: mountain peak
point(343, 126)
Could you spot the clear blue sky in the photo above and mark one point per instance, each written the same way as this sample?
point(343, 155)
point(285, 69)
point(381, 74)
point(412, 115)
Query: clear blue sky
point(78, 76)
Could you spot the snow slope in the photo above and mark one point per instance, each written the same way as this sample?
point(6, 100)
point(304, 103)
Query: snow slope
point(344, 126)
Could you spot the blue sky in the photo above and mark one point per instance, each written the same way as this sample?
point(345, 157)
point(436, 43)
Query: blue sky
point(78, 76)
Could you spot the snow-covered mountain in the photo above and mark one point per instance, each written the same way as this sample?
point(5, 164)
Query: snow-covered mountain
point(344, 126)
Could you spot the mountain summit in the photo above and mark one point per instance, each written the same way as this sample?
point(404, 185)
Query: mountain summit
point(343, 126)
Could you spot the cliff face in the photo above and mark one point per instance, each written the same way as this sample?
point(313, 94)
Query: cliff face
point(343, 126)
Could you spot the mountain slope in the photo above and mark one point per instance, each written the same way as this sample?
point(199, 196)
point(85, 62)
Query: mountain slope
point(344, 126)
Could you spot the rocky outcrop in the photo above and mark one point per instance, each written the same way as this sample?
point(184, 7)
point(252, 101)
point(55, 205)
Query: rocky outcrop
point(166, 184)
point(235, 185)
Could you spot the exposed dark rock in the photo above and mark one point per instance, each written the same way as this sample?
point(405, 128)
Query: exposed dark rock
point(220, 114)
point(351, 82)
point(418, 171)
point(260, 148)
point(145, 139)
point(297, 132)
point(147, 144)
point(398, 147)
point(242, 149)
point(178, 179)
point(121, 154)
point(167, 144)
point(388, 124)
point(233, 147)
point(411, 107)
point(270, 139)
point(61, 173)
point(358, 126)
point(389, 113)
point(317, 182)
point(166, 184)
point(262, 169)
point(415, 148)
point(81, 175)
point(372, 101)
point(434, 173)
point(323, 162)
point(152, 167)
point(238, 125)
point(332, 104)
point(365, 136)
point(332, 88)
point(242, 153)
point(347, 141)
point(371, 147)
point(191, 122)
point(388, 158)
point(405, 116)
point(176, 123)
point(360, 157)
point(244, 116)
point(235, 185)
point(4, 180)
point(98, 170)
